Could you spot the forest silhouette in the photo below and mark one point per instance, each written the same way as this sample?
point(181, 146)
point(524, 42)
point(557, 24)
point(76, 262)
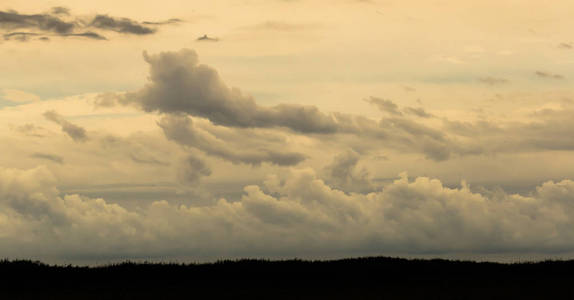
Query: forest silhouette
point(357, 278)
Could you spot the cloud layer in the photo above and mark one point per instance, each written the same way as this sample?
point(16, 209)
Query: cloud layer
point(59, 22)
point(297, 214)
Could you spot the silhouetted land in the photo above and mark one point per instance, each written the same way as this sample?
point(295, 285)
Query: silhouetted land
point(361, 278)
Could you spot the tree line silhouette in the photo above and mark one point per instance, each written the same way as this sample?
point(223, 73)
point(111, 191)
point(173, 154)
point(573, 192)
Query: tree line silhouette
point(357, 278)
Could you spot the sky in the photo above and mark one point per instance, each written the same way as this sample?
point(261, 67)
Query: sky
point(201, 130)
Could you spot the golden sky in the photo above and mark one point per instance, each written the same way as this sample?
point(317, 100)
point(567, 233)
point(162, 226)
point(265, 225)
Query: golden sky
point(201, 130)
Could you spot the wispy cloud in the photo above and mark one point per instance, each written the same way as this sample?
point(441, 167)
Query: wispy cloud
point(488, 80)
point(50, 157)
point(548, 75)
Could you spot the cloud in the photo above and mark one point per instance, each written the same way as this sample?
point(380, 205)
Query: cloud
point(182, 130)
point(170, 21)
point(205, 38)
point(121, 25)
point(565, 46)
point(50, 157)
point(179, 84)
point(386, 106)
point(59, 22)
point(417, 111)
point(542, 74)
point(60, 10)
point(87, 34)
point(44, 22)
point(77, 133)
point(493, 80)
point(20, 36)
point(344, 174)
point(193, 169)
point(547, 130)
point(146, 160)
point(29, 129)
point(295, 214)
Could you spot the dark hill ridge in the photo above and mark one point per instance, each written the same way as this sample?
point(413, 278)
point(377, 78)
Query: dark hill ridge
point(359, 278)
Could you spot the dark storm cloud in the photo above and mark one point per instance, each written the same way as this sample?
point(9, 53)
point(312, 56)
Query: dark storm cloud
point(122, 25)
point(492, 80)
point(50, 157)
point(542, 74)
point(59, 22)
point(77, 133)
point(383, 105)
point(183, 131)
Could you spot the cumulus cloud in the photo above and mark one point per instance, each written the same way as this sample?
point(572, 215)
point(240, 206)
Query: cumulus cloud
point(296, 214)
point(182, 130)
point(344, 173)
point(77, 133)
point(179, 84)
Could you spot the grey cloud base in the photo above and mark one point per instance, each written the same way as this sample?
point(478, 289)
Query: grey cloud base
point(294, 215)
point(182, 130)
point(179, 84)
